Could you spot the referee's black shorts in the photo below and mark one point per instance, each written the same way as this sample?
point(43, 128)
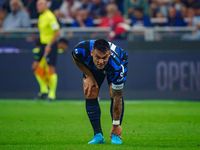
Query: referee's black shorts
point(51, 58)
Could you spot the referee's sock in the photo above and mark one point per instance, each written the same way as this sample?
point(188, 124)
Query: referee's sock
point(94, 114)
point(111, 110)
point(53, 86)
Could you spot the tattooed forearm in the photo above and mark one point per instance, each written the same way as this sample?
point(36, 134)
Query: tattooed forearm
point(117, 104)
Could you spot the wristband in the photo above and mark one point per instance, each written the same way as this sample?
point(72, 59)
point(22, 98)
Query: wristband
point(116, 122)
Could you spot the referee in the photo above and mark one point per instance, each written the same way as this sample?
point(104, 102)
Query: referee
point(49, 33)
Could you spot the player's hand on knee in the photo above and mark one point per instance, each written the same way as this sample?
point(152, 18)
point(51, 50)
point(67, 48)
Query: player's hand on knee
point(117, 130)
point(90, 85)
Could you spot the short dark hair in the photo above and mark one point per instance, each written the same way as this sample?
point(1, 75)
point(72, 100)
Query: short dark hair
point(63, 40)
point(101, 45)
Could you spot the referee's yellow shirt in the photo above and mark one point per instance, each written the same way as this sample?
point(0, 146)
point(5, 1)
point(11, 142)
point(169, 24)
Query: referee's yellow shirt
point(47, 24)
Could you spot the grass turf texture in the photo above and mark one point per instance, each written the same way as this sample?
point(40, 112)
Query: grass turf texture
point(28, 124)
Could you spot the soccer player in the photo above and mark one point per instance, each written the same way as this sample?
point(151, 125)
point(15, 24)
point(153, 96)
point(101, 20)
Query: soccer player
point(98, 59)
point(49, 33)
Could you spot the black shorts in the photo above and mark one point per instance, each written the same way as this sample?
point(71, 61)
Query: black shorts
point(51, 58)
point(99, 77)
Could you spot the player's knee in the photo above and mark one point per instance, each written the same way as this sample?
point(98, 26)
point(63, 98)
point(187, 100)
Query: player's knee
point(94, 93)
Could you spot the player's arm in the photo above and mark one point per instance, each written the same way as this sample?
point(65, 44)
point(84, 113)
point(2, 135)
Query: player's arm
point(90, 80)
point(117, 105)
point(82, 67)
point(117, 109)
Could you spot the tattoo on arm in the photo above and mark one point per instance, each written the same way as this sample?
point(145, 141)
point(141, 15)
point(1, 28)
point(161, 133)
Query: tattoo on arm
point(117, 104)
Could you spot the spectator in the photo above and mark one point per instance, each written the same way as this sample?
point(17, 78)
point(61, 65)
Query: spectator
point(83, 19)
point(174, 18)
point(190, 16)
point(59, 18)
point(69, 8)
point(184, 12)
point(119, 3)
point(195, 23)
point(114, 20)
point(2, 16)
point(159, 5)
point(17, 18)
point(55, 4)
point(86, 4)
point(190, 3)
point(139, 19)
point(30, 6)
point(5, 5)
point(130, 5)
point(98, 9)
point(160, 19)
point(187, 6)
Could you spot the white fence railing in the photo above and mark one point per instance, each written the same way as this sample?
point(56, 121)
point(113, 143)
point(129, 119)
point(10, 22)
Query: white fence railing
point(149, 33)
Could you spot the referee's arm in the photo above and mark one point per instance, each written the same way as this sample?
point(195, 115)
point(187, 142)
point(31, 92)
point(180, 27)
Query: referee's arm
point(54, 39)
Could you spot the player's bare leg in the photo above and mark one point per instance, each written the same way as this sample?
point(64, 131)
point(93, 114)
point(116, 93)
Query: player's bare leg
point(93, 112)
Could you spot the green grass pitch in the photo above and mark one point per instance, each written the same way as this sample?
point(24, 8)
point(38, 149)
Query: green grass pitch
point(64, 125)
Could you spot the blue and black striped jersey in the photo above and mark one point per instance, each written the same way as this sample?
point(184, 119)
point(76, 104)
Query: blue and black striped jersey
point(116, 68)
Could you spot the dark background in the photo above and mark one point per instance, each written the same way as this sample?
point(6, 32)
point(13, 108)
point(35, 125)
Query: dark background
point(180, 78)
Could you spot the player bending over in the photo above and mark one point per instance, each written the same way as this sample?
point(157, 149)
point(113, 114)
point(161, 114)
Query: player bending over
point(98, 59)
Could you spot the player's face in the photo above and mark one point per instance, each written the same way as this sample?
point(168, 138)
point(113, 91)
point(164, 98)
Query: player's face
point(100, 59)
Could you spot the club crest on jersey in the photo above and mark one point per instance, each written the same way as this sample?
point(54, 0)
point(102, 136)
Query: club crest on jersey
point(76, 51)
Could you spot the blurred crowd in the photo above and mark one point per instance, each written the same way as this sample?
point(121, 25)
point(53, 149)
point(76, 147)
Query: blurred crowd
point(120, 15)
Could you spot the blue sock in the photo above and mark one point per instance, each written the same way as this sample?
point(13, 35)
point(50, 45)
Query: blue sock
point(94, 114)
point(111, 108)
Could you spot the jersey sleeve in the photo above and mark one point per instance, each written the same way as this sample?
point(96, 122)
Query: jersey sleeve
point(53, 22)
point(118, 77)
point(78, 52)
